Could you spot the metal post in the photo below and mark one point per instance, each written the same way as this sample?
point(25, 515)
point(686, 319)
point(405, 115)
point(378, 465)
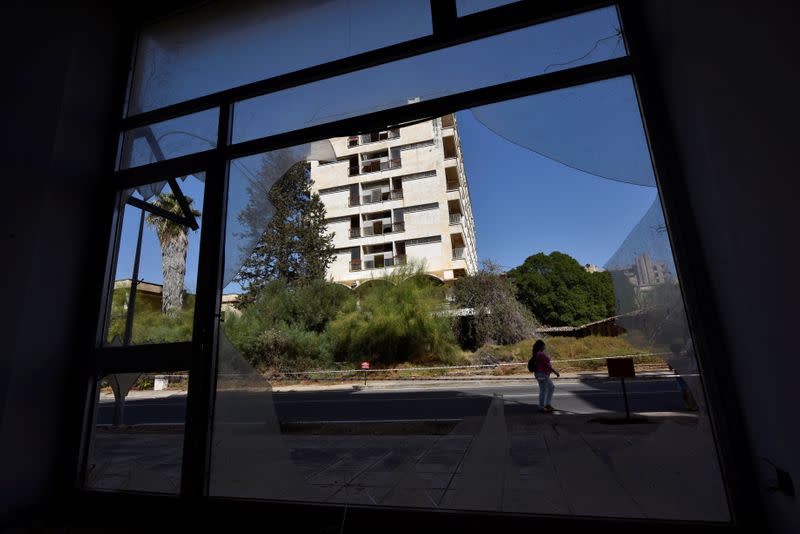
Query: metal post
point(625, 395)
point(365, 377)
point(134, 285)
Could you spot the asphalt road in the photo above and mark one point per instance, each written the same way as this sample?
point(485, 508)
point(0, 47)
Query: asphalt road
point(445, 402)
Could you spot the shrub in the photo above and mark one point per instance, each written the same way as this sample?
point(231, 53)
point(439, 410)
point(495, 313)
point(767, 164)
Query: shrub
point(394, 322)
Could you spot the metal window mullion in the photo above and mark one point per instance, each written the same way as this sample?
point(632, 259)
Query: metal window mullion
point(202, 372)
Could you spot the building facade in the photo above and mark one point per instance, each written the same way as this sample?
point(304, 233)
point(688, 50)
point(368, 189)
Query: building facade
point(395, 197)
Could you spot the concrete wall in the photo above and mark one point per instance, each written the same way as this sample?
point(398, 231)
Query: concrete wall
point(60, 90)
point(729, 74)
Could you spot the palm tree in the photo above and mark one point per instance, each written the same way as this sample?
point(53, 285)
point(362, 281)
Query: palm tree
point(174, 241)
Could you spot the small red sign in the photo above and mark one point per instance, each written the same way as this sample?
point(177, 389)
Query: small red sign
point(365, 365)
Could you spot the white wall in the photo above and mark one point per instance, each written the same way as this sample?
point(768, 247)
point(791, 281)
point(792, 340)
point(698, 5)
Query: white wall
point(729, 74)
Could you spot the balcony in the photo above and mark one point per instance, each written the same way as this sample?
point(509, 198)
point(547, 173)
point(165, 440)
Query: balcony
point(388, 228)
point(377, 196)
point(380, 262)
point(355, 265)
point(353, 201)
point(355, 232)
point(459, 253)
point(376, 165)
point(456, 218)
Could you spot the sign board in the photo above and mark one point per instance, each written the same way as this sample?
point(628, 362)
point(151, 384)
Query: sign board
point(365, 365)
point(620, 367)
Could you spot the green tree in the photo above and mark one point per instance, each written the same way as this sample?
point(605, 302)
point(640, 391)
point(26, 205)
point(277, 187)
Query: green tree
point(497, 316)
point(174, 240)
point(560, 292)
point(295, 245)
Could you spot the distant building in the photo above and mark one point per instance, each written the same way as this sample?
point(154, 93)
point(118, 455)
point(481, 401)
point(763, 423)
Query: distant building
point(397, 196)
point(645, 272)
point(592, 268)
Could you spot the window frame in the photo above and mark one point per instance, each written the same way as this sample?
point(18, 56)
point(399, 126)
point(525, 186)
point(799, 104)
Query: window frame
point(198, 356)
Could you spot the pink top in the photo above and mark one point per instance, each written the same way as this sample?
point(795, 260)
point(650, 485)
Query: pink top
point(543, 363)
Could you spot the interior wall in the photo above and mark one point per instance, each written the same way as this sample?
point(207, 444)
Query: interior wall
point(60, 91)
point(728, 73)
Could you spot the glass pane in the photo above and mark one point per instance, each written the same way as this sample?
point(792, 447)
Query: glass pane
point(467, 7)
point(158, 256)
point(555, 45)
point(397, 373)
point(137, 443)
point(177, 55)
point(170, 139)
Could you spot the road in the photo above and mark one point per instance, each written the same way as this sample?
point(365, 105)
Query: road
point(443, 402)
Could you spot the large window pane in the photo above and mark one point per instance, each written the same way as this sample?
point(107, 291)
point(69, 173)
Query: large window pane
point(556, 45)
point(156, 264)
point(226, 44)
point(137, 442)
point(554, 194)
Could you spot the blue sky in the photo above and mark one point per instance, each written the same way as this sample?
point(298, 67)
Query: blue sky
point(523, 203)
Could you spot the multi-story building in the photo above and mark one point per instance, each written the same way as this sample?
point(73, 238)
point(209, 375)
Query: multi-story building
point(645, 272)
point(398, 196)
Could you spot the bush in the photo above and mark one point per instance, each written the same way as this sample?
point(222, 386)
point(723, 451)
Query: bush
point(498, 317)
point(285, 327)
point(394, 322)
point(150, 325)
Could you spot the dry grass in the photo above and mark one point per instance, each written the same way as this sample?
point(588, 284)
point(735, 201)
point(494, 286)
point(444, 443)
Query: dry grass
point(567, 348)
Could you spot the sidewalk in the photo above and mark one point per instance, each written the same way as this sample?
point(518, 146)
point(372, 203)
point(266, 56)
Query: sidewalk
point(519, 463)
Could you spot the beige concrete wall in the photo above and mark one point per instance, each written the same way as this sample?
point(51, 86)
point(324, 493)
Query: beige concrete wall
point(417, 191)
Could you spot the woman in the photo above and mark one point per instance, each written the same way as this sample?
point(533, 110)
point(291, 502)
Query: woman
point(542, 373)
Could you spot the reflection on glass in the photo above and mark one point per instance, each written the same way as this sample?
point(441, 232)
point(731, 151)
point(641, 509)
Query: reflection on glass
point(189, 55)
point(548, 47)
point(137, 443)
point(170, 139)
point(156, 264)
point(405, 321)
point(467, 7)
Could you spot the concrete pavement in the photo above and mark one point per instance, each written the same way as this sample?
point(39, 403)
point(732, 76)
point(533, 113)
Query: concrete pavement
point(509, 461)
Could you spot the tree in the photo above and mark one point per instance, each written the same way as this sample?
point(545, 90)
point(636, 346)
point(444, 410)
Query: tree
point(560, 292)
point(295, 245)
point(497, 316)
point(174, 241)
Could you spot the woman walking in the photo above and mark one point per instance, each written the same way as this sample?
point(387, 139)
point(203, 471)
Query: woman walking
point(543, 368)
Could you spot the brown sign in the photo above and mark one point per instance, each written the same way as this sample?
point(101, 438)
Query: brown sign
point(620, 367)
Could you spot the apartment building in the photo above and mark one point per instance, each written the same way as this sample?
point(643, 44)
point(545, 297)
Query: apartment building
point(398, 196)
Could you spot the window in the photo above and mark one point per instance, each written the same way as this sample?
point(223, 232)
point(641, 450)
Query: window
point(281, 269)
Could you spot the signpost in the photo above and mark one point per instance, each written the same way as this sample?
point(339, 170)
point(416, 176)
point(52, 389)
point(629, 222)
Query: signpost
point(622, 368)
point(365, 367)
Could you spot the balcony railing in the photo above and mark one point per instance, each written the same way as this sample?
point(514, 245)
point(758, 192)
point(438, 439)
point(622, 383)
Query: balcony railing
point(452, 186)
point(458, 253)
point(377, 197)
point(388, 228)
point(355, 265)
point(353, 201)
point(355, 232)
point(456, 218)
point(400, 259)
point(379, 262)
point(353, 171)
point(379, 165)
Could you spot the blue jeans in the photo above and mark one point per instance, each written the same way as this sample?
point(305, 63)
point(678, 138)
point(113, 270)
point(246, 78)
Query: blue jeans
point(546, 389)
